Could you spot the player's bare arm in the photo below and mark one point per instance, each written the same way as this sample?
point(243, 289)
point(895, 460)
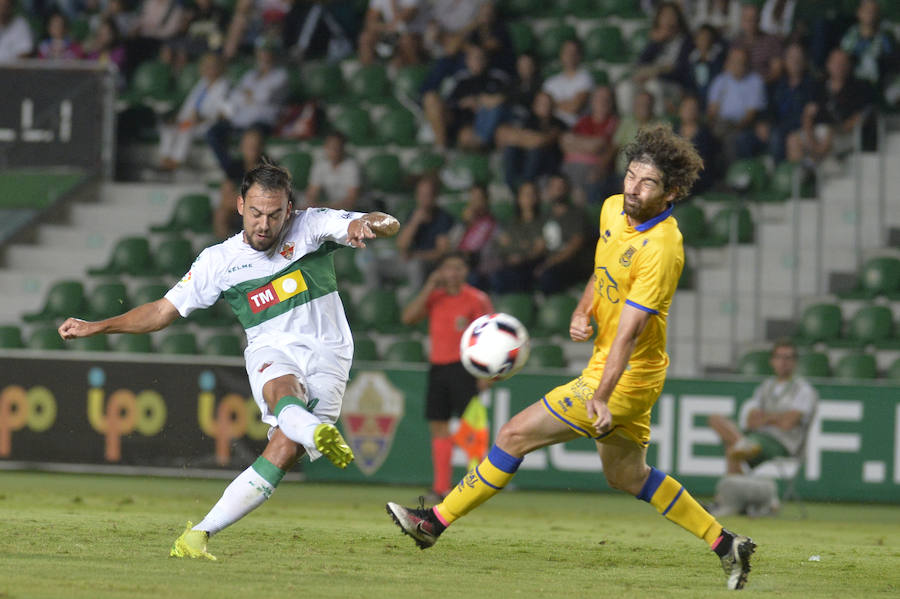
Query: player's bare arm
point(631, 324)
point(145, 318)
point(370, 226)
point(580, 328)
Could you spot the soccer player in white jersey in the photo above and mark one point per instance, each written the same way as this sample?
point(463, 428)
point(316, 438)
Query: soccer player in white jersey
point(278, 277)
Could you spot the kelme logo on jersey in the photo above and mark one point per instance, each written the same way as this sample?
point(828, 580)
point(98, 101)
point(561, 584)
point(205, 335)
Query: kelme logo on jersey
point(277, 291)
point(625, 258)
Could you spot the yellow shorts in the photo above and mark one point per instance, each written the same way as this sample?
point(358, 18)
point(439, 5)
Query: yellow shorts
point(629, 405)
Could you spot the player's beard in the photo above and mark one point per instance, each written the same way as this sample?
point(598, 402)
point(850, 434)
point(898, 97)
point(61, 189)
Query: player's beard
point(273, 241)
point(641, 213)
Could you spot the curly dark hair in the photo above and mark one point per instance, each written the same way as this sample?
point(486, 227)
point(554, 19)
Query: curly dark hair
point(673, 155)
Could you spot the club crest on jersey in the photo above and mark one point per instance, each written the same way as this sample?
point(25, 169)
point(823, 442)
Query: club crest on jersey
point(372, 409)
point(282, 288)
point(287, 250)
point(625, 258)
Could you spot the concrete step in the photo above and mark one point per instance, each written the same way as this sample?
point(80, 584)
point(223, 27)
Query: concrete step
point(62, 263)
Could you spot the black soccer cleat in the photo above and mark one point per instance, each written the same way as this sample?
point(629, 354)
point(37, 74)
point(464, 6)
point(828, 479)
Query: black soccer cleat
point(736, 563)
point(419, 523)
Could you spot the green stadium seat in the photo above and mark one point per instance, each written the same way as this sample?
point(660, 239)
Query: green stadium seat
point(179, 343)
point(687, 280)
point(217, 315)
point(748, 175)
point(553, 38)
point(133, 344)
point(192, 212)
point(225, 344)
point(364, 349)
point(691, 222)
point(46, 338)
point(64, 299)
point(148, 293)
point(813, 365)
point(522, 36)
point(173, 257)
point(237, 68)
point(384, 173)
point(521, 8)
point(546, 355)
point(881, 276)
point(466, 170)
point(296, 91)
point(520, 305)
point(108, 299)
point(370, 83)
point(893, 371)
point(379, 311)
point(405, 350)
point(871, 324)
point(131, 256)
point(299, 165)
point(349, 307)
point(95, 343)
point(856, 366)
point(323, 82)
point(554, 315)
point(638, 39)
point(397, 126)
point(345, 267)
point(577, 8)
point(409, 80)
point(606, 43)
point(820, 322)
point(755, 363)
point(151, 80)
point(354, 124)
point(11, 337)
point(623, 9)
point(783, 182)
point(186, 79)
point(424, 163)
point(719, 231)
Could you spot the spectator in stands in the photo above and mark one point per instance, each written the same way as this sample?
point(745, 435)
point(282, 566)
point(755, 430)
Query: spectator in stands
point(723, 15)
point(764, 50)
point(519, 246)
point(206, 27)
point(226, 220)
point(662, 67)
point(199, 110)
point(692, 127)
point(589, 150)
point(870, 44)
point(449, 304)
point(15, 34)
point(736, 98)
point(319, 28)
point(478, 228)
point(705, 61)
point(121, 14)
point(451, 24)
point(567, 237)
point(393, 29)
point(777, 17)
point(781, 408)
point(792, 92)
point(642, 114)
point(253, 20)
point(491, 34)
point(532, 148)
point(525, 86)
point(474, 107)
point(571, 87)
point(336, 174)
point(105, 46)
point(58, 45)
point(159, 21)
point(253, 103)
point(424, 237)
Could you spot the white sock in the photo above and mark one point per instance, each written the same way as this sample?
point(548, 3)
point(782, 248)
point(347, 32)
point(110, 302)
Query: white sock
point(245, 493)
point(297, 423)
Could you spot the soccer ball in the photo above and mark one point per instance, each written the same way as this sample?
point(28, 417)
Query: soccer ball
point(494, 346)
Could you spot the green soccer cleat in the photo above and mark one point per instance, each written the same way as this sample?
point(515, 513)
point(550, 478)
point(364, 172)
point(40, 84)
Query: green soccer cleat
point(330, 442)
point(191, 543)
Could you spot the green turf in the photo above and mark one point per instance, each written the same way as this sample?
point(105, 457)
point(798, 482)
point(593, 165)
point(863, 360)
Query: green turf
point(91, 536)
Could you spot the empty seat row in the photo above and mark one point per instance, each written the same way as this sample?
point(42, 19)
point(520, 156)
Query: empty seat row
point(854, 365)
point(870, 325)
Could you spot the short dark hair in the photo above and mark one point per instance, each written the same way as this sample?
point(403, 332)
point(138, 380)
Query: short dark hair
point(784, 342)
point(675, 157)
point(269, 176)
point(451, 255)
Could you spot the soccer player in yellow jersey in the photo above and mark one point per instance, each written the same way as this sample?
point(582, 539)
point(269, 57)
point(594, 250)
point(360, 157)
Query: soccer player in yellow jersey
point(637, 264)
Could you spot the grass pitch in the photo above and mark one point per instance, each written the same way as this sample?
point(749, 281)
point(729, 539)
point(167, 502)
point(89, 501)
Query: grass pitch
point(77, 536)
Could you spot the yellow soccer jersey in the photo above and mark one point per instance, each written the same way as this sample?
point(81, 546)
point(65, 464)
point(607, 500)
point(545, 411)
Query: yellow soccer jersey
point(639, 266)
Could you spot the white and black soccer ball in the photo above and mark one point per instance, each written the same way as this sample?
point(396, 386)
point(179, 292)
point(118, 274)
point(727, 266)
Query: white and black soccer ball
point(494, 346)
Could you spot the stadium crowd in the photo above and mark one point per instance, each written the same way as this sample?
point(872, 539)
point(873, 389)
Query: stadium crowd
point(788, 80)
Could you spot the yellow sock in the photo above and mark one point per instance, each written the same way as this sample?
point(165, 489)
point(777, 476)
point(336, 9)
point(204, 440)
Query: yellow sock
point(671, 500)
point(481, 483)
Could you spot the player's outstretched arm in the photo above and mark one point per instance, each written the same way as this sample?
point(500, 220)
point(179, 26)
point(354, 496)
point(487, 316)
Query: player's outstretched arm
point(146, 318)
point(370, 226)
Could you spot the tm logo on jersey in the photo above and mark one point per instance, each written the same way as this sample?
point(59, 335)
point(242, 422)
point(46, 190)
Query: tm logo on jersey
point(277, 291)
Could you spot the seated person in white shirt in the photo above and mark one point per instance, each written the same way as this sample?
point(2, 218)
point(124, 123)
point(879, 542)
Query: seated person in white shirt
point(16, 40)
point(335, 174)
point(198, 111)
point(570, 88)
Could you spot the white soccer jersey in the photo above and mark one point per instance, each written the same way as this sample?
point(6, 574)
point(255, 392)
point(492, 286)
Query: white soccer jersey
point(288, 298)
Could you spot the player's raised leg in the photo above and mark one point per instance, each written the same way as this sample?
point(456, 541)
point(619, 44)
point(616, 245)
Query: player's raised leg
point(625, 467)
point(528, 430)
point(247, 492)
